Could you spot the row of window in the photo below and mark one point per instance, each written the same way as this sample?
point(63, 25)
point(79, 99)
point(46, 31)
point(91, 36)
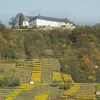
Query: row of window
point(47, 23)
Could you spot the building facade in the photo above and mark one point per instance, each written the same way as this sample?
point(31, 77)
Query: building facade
point(46, 21)
point(39, 21)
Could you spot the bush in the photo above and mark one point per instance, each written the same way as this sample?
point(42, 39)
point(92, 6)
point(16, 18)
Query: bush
point(9, 53)
point(23, 27)
point(56, 83)
point(1, 83)
point(2, 27)
point(13, 83)
point(66, 86)
point(9, 82)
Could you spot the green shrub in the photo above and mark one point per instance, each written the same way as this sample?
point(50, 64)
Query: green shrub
point(65, 86)
point(9, 82)
point(56, 83)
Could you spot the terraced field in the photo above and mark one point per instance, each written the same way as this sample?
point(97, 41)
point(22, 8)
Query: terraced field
point(39, 91)
point(4, 93)
point(7, 70)
point(45, 92)
point(18, 90)
point(42, 96)
point(46, 71)
point(36, 71)
point(48, 67)
point(86, 92)
point(70, 92)
point(23, 73)
point(57, 77)
point(43, 72)
point(67, 78)
point(13, 95)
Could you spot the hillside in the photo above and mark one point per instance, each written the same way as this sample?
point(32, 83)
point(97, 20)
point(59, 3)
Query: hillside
point(78, 50)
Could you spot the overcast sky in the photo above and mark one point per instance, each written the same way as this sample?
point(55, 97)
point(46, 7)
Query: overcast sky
point(79, 11)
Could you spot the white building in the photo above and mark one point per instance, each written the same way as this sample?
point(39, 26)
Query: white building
point(39, 21)
point(26, 21)
point(46, 21)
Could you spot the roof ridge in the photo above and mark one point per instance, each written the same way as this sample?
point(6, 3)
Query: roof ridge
point(47, 18)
